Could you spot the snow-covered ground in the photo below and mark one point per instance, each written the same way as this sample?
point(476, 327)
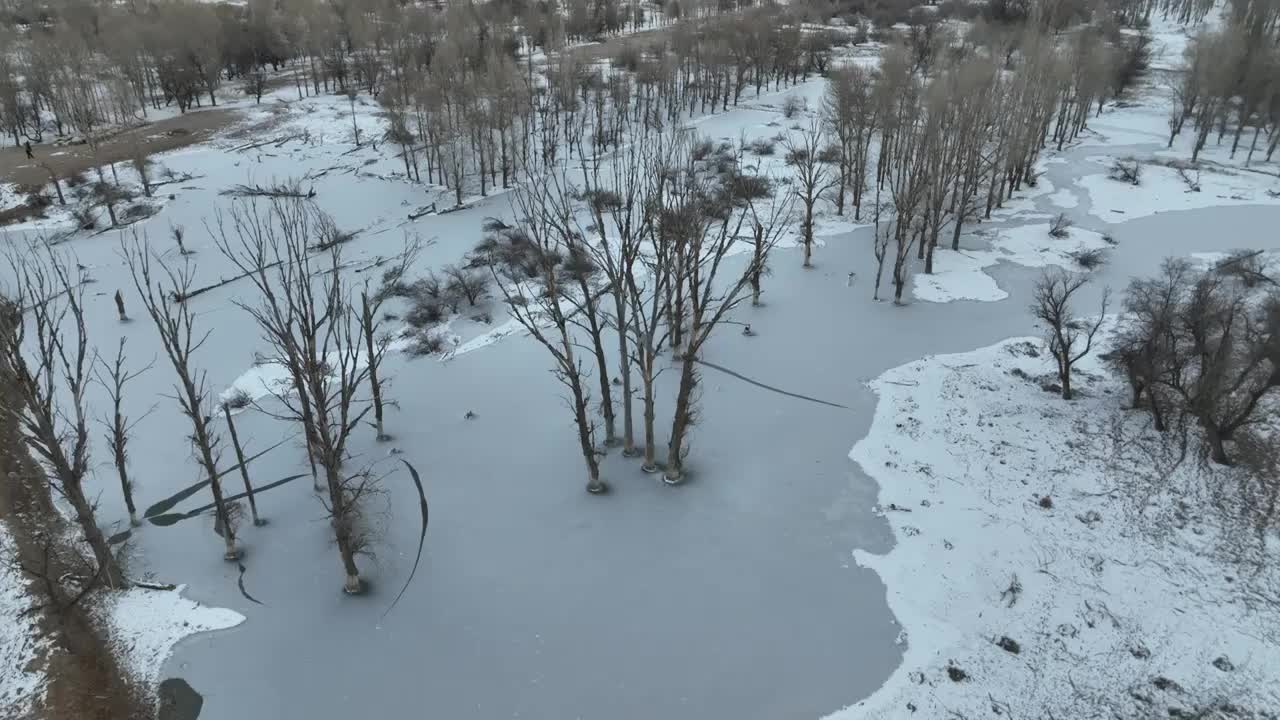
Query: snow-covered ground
point(1164, 189)
point(1022, 581)
point(22, 673)
point(958, 274)
point(145, 624)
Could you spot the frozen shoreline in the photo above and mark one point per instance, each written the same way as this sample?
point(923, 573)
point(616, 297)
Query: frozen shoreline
point(964, 448)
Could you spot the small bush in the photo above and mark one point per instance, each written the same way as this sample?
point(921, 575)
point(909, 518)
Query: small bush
point(1110, 239)
point(797, 156)
point(762, 147)
point(793, 106)
point(1061, 226)
point(829, 154)
point(748, 187)
point(1090, 258)
point(425, 343)
point(702, 150)
point(425, 313)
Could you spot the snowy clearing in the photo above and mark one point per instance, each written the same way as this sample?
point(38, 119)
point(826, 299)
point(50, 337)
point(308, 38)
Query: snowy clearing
point(1162, 189)
point(958, 275)
point(1008, 529)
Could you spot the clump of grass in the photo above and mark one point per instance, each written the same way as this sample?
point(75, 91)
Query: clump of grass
point(1061, 226)
point(1090, 258)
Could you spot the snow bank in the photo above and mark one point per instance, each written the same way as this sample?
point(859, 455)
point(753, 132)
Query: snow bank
point(1106, 621)
point(1162, 190)
point(144, 625)
point(22, 675)
point(958, 275)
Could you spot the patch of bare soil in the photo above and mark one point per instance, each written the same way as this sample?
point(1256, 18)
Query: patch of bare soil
point(84, 680)
point(151, 138)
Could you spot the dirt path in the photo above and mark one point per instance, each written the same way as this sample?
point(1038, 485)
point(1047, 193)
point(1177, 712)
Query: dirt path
point(84, 681)
point(168, 134)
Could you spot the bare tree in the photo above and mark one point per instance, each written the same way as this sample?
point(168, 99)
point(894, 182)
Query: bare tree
point(648, 288)
point(582, 283)
point(702, 220)
point(621, 217)
point(1069, 338)
point(1227, 357)
point(307, 314)
point(114, 376)
point(49, 360)
point(526, 263)
point(178, 336)
point(768, 224)
point(848, 111)
point(812, 176)
point(466, 282)
point(247, 236)
point(255, 84)
point(884, 232)
point(375, 341)
point(1146, 341)
point(904, 155)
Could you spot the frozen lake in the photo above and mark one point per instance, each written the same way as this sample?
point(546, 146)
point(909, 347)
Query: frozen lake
point(732, 596)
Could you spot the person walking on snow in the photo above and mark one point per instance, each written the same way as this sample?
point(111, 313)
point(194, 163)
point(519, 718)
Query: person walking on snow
point(27, 147)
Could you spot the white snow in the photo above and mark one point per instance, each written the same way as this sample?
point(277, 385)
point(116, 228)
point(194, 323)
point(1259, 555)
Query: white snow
point(1162, 190)
point(22, 675)
point(144, 625)
point(1064, 199)
point(958, 275)
point(962, 450)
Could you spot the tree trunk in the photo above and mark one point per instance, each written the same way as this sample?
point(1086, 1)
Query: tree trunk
point(680, 422)
point(808, 233)
point(1218, 451)
point(122, 469)
point(108, 569)
point(650, 450)
point(1157, 412)
point(244, 470)
point(624, 371)
point(583, 421)
point(375, 386)
point(342, 531)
